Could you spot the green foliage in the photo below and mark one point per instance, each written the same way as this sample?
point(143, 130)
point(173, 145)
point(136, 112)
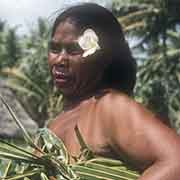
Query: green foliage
point(29, 75)
point(155, 27)
point(10, 50)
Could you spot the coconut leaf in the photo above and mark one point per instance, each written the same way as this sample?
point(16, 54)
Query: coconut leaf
point(5, 146)
point(25, 174)
point(7, 169)
point(19, 124)
point(54, 145)
point(22, 89)
point(43, 176)
point(18, 74)
point(86, 152)
point(105, 172)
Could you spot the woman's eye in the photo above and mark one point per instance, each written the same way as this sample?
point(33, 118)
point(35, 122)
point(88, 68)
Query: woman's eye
point(54, 48)
point(74, 49)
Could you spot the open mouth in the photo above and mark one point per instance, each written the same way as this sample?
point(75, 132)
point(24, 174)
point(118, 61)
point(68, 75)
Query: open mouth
point(60, 75)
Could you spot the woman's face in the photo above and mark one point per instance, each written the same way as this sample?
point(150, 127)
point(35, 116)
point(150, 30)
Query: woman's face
point(73, 74)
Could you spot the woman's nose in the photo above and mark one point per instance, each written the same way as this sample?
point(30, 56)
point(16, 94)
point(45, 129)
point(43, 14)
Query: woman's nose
point(62, 57)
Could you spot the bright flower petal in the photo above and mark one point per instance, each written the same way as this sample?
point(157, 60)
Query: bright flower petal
point(89, 52)
point(89, 42)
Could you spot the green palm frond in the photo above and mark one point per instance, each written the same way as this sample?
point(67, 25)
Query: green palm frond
point(131, 17)
point(16, 73)
point(7, 169)
point(23, 90)
point(19, 124)
point(135, 26)
point(24, 175)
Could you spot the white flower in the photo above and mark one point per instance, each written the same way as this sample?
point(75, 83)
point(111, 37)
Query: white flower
point(89, 42)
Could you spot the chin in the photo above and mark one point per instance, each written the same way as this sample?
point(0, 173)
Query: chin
point(66, 91)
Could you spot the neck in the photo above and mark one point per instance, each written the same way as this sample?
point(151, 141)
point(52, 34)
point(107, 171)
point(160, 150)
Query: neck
point(72, 102)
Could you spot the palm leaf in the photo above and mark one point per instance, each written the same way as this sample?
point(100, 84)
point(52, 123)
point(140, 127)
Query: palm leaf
point(7, 169)
point(8, 147)
point(25, 174)
point(19, 124)
point(53, 144)
point(23, 90)
point(16, 73)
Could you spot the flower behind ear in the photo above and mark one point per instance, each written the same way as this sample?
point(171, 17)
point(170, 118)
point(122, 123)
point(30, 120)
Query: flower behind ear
point(89, 42)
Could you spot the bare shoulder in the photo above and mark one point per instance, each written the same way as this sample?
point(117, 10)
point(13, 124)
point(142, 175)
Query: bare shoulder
point(122, 108)
point(114, 98)
point(116, 103)
point(115, 109)
point(131, 128)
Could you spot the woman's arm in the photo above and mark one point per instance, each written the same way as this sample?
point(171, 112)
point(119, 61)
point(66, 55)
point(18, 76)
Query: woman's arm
point(142, 137)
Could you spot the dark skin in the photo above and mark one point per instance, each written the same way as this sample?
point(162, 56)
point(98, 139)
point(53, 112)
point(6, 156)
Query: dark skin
point(111, 123)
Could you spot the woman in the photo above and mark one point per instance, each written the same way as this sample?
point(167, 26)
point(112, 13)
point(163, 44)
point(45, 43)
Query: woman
point(91, 64)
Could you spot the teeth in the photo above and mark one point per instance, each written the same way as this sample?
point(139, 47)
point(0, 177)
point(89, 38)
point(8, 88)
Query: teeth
point(58, 70)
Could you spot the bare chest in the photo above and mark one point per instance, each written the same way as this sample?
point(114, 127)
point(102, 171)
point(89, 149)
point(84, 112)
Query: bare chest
point(91, 134)
point(91, 130)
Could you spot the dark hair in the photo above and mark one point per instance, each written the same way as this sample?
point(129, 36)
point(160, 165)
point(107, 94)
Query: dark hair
point(121, 70)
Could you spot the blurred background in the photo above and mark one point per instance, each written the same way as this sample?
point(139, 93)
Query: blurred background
point(152, 27)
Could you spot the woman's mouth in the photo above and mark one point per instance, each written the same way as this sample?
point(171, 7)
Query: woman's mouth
point(60, 75)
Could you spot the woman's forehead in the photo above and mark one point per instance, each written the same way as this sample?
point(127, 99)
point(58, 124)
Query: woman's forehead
point(66, 30)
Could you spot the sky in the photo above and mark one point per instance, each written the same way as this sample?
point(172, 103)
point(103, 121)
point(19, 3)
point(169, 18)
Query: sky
point(24, 13)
